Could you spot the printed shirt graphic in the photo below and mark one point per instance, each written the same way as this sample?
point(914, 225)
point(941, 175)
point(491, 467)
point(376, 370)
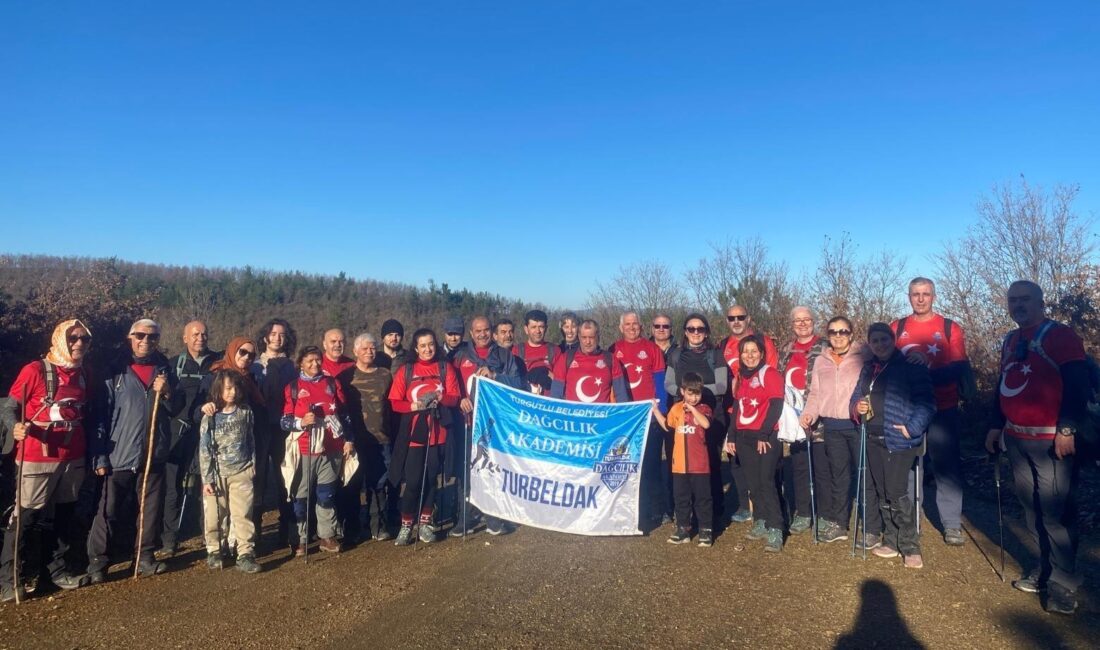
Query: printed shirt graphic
point(405, 391)
point(733, 357)
point(640, 360)
point(467, 367)
point(323, 392)
point(753, 396)
point(588, 379)
point(1030, 390)
point(797, 366)
point(929, 340)
point(689, 440)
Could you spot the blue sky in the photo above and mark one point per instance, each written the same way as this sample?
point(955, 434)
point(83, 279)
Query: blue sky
point(526, 148)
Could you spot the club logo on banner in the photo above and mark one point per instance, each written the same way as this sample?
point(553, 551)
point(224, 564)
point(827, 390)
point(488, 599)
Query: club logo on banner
point(549, 463)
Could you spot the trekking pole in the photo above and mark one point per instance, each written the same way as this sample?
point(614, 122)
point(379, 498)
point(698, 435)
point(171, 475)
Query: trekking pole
point(1000, 519)
point(918, 489)
point(424, 477)
point(213, 449)
point(145, 480)
point(863, 475)
point(813, 505)
point(309, 493)
point(19, 494)
point(861, 509)
point(467, 438)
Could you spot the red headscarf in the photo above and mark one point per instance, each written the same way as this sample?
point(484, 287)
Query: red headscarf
point(229, 362)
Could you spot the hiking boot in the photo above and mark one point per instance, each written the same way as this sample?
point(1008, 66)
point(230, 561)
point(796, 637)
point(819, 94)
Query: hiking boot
point(741, 516)
point(1060, 600)
point(68, 581)
point(97, 576)
point(800, 524)
point(680, 536)
point(404, 536)
point(773, 540)
point(884, 551)
point(214, 561)
point(247, 563)
point(868, 542)
point(426, 533)
point(758, 530)
point(954, 537)
point(706, 538)
point(1030, 584)
point(913, 561)
point(329, 545)
point(151, 568)
point(7, 593)
point(832, 533)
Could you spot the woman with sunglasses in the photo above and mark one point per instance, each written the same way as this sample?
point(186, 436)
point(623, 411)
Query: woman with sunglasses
point(697, 354)
point(834, 376)
point(895, 401)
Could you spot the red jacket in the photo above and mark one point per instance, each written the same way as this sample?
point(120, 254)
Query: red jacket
point(56, 432)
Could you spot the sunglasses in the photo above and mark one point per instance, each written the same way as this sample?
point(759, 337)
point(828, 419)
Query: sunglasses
point(141, 336)
point(695, 330)
point(85, 339)
point(737, 318)
point(246, 353)
point(661, 326)
point(840, 332)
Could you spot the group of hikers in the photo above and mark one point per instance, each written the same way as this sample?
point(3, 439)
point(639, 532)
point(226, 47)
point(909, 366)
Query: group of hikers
point(831, 421)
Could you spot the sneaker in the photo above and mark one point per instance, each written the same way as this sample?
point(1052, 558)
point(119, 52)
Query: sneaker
point(913, 561)
point(68, 581)
point(497, 528)
point(247, 563)
point(382, 535)
point(1030, 584)
point(773, 541)
point(706, 538)
point(884, 551)
point(741, 516)
point(680, 536)
point(300, 550)
point(1060, 600)
point(666, 519)
point(800, 524)
point(458, 530)
point(758, 530)
point(954, 537)
point(869, 541)
point(329, 545)
point(404, 536)
point(832, 533)
point(426, 533)
point(151, 568)
point(214, 561)
point(97, 576)
point(7, 593)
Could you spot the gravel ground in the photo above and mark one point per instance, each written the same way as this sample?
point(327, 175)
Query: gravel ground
point(535, 588)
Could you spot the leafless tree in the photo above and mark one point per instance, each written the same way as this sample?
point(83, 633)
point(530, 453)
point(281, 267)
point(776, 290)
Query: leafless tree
point(863, 289)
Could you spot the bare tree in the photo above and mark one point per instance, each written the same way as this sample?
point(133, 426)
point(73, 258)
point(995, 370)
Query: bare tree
point(863, 289)
point(646, 287)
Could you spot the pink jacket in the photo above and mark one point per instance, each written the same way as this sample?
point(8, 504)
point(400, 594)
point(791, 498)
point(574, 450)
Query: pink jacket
point(831, 385)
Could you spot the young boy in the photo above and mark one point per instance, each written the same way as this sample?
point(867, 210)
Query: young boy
point(688, 422)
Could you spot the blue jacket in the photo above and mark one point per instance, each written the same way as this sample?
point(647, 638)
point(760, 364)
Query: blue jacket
point(909, 400)
point(122, 427)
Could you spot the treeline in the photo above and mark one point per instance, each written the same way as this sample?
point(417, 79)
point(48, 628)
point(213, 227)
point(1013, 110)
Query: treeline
point(36, 292)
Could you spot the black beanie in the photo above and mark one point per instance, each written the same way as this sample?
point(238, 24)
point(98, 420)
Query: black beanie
point(392, 326)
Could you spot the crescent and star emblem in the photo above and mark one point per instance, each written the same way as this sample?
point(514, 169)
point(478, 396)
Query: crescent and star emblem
point(583, 396)
point(1013, 392)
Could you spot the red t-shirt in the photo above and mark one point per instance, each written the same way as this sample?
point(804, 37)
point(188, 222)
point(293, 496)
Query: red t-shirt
point(144, 373)
point(65, 439)
point(404, 391)
point(325, 393)
point(334, 368)
point(588, 379)
point(640, 360)
point(1030, 390)
point(929, 340)
point(467, 367)
point(689, 440)
point(534, 356)
point(798, 364)
point(733, 357)
point(754, 395)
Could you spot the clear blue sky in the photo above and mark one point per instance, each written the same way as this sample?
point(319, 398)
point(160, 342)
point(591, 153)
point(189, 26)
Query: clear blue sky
point(526, 148)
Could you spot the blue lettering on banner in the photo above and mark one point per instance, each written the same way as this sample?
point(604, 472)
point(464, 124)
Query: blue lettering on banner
point(548, 491)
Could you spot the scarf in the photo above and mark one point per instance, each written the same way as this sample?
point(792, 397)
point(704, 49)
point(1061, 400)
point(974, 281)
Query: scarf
point(59, 354)
point(229, 363)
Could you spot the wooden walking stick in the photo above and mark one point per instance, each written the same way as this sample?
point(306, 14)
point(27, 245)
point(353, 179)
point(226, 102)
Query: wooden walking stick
point(145, 480)
point(19, 494)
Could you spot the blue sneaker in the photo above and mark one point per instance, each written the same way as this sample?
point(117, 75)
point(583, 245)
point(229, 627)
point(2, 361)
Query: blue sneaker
point(741, 516)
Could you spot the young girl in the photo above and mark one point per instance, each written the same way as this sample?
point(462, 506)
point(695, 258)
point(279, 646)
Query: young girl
point(227, 458)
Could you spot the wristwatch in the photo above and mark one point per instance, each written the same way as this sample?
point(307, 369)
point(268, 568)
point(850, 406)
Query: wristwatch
point(1066, 431)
